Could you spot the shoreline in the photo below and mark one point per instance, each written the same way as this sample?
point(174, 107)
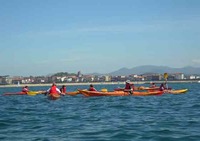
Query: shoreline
point(96, 83)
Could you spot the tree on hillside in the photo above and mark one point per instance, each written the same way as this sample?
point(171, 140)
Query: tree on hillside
point(63, 74)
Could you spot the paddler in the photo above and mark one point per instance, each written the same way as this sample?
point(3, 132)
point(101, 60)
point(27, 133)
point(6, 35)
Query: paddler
point(53, 89)
point(162, 87)
point(129, 87)
point(152, 85)
point(63, 89)
point(25, 89)
point(91, 88)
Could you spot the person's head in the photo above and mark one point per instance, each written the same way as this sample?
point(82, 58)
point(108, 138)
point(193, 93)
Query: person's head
point(128, 81)
point(153, 83)
point(54, 84)
point(91, 85)
point(26, 87)
point(63, 86)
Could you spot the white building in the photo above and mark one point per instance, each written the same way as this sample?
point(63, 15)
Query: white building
point(192, 77)
point(179, 76)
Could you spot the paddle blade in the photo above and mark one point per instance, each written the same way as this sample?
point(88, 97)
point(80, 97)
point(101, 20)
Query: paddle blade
point(165, 75)
point(104, 90)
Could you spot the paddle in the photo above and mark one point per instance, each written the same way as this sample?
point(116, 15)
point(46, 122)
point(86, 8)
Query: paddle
point(166, 76)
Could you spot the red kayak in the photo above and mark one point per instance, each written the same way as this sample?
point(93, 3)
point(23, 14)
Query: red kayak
point(15, 93)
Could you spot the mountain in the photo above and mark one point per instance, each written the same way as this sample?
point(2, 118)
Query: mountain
point(155, 69)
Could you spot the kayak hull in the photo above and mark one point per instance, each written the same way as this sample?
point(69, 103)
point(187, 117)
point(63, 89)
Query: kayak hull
point(53, 96)
point(72, 93)
point(15, 93)
point(181, 91)
point(118, 93)
point(33, 93)
point(139, 88)
point(30, 93)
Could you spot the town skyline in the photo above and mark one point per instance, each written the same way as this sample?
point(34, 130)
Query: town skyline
point(188, 70)
point(64, 77)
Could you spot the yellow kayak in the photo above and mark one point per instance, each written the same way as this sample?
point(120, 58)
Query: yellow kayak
point(181, 91)
point(33, 93)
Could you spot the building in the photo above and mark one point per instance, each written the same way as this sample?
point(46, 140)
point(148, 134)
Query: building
point(79, 74)
point(179, 76)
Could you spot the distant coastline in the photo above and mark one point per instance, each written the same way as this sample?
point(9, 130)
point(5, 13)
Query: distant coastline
point(98, 83)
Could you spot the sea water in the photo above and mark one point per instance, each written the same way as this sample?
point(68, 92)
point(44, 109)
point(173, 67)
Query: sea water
point(139, 118)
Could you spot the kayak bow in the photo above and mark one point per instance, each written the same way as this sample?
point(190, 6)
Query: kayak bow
point(53, 96)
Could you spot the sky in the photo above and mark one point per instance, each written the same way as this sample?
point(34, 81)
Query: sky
point(41, 37)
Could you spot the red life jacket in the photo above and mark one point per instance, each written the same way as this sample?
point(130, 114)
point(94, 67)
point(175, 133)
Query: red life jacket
point(129, 86)
point(53, 90)
point(24, 89)
point(63, 90)
point(92, 89)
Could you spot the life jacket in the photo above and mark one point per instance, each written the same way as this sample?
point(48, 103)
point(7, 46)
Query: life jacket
point(162, 87)
point(129, 87)
point(53, 90)
point(63, 90)
point(24, 89)
point(92, 89)
point(152, 86)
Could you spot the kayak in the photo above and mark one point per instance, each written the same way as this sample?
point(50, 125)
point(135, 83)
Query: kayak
point(30, 93)
point(148, 88)
point(53, 96)
point(139, 88)
point(181, 91)
point(15, 93)
point(147, 93)
point(118, 93)
point(33, 93)
point(72, 93)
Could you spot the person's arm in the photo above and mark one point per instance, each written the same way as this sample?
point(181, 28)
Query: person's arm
point(48, 90)
point(58, 90)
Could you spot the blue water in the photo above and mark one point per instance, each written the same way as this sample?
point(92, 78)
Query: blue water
point(153, 118)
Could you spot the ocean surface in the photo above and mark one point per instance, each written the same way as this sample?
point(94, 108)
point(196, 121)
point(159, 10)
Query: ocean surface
point(152, 118)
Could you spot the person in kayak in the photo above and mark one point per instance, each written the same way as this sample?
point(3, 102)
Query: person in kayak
point(25, 89)
point(63, 89)
point(91, 88)
point(129, 87)
point(53, 89)
point(162, 87)
point(152, 85)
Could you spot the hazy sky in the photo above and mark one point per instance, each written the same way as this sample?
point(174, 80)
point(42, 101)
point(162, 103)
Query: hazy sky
point(39, 37)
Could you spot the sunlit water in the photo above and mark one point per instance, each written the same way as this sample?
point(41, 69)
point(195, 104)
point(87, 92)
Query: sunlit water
point(155, 118)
